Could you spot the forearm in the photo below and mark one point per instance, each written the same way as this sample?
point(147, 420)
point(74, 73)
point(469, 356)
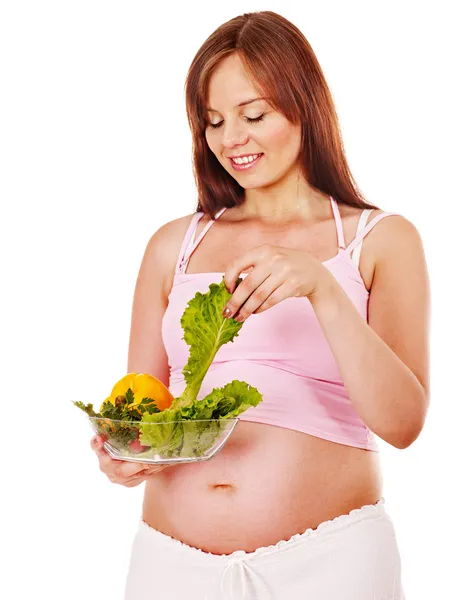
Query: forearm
point(385, 393)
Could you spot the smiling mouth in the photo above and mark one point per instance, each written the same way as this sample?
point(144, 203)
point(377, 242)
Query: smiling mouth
point(248, 165)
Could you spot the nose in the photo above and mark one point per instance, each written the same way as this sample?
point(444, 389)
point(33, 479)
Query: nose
point(234, 134)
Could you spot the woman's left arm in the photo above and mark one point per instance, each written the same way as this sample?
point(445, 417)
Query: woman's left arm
point(384, 363)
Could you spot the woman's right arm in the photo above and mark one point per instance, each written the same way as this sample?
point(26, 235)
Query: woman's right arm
point(146, 348)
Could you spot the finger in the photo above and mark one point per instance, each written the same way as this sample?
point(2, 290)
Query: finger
point(125, 469)
point(133, 482)
point(139, 477)
point(148, 472)
point(243, 263)
point(259, 297)
point(281, 292)
point(105, 462)
point(119, 469)
point(97, 442)
point(103, 456)
point(246, 288)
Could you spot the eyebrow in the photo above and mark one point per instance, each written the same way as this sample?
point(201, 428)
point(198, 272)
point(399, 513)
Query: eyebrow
point(240, 104)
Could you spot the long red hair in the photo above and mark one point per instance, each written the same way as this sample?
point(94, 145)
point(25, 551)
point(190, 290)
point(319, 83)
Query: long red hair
point(282, 65)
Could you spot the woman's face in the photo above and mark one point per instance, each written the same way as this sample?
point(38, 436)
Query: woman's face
point(230, 131)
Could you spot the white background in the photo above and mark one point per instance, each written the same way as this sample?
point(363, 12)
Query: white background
point(96, 155)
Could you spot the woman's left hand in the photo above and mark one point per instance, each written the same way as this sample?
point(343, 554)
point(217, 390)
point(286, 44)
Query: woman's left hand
point(277, 273)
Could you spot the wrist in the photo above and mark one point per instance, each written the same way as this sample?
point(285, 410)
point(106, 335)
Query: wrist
point(326, 294)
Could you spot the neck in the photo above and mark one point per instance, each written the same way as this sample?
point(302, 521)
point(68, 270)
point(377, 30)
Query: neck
point(291, 201)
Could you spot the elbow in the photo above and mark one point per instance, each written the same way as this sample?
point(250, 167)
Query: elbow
point(401, 438)
point(411, 428)
point(405, 440)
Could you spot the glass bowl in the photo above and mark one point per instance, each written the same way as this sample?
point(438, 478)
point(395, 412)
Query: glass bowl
point(171, 442)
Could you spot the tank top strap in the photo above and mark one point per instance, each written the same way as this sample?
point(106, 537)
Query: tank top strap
point(338, 220)
point(362, 222)
point(363, 232)
point(186, 240)
point(189, 244)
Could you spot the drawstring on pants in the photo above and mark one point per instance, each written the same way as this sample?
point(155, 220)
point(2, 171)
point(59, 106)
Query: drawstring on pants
point(240, 582)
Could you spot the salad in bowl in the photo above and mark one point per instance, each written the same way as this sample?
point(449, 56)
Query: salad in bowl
point(142, 421)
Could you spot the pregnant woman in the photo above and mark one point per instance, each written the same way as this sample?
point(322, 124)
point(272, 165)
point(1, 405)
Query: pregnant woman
point(334, 301)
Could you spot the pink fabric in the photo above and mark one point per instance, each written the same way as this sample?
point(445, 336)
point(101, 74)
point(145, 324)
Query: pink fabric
point(282, 352)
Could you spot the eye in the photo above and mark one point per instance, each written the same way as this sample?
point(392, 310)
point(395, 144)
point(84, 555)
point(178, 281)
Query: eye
point(248, 119)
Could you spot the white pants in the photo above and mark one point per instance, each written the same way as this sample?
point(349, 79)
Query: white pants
point(352, 557)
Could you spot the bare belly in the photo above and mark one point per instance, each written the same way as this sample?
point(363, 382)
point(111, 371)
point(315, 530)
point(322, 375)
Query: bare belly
point(265, 485)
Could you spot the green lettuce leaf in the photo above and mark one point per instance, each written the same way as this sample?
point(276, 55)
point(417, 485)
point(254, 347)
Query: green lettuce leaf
point(166, 438)
point(205, 331)
point(200, 425)
point(232, 399)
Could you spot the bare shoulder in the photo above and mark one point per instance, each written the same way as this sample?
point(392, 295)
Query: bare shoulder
point(171, 232)
point(391, 238)
point(164, 246)
point(394, 238)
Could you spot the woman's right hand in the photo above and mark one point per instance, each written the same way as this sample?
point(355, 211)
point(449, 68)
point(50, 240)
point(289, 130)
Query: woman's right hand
point(123, 472)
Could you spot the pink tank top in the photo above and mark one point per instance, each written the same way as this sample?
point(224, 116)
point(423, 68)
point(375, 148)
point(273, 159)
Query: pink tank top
point(282, 351)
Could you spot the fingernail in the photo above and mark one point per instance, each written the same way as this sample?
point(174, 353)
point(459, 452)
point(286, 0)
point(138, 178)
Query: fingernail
point(239, 318)
point(95, 442)
point(226, 312)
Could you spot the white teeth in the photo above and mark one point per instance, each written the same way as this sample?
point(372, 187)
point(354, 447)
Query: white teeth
point(245, 159)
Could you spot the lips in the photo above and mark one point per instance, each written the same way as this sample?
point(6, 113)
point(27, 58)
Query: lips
point(246, 166)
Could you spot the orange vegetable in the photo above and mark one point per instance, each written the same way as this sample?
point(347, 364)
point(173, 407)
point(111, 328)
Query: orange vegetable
point(142, 385)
